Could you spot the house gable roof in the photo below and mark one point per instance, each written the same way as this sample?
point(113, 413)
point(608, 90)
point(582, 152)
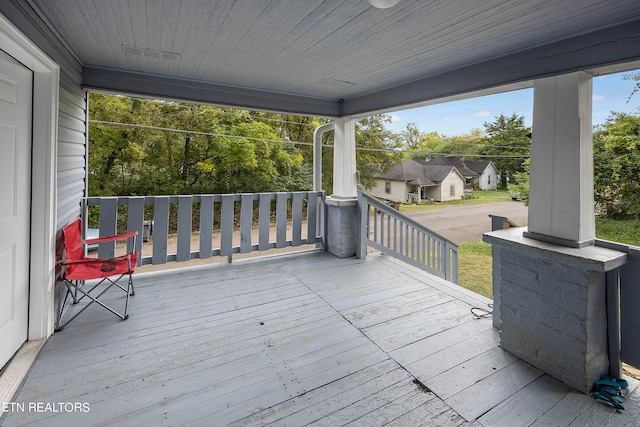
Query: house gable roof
point(450, 161)
point(479, 166)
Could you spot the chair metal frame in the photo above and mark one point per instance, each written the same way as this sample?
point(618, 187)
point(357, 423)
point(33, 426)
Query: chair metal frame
point(76, 268)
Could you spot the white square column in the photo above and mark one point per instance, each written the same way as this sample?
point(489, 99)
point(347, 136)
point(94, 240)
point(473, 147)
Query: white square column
point(561, 184)
point(344, 160)
point(342, 206)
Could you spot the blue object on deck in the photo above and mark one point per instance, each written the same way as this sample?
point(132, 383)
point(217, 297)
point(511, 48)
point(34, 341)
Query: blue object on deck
point(609, 390)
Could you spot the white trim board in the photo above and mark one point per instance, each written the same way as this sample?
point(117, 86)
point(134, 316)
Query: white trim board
point(46, 77)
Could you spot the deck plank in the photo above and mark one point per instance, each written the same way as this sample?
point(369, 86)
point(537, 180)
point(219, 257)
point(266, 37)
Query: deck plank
point(473, 401)
point(432, 413)
point(468, 334)
point(396, 408)
point(470, 372)
point(418, 325)
point(394, 306)
point(455, 354)
point(366, 406)
point(311, 406)
point(527, 405)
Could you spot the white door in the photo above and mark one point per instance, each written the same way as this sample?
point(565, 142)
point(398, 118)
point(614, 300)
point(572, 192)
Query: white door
point(16, 83)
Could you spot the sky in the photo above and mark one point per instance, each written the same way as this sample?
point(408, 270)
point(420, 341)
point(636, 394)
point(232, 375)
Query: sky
point(610, 93)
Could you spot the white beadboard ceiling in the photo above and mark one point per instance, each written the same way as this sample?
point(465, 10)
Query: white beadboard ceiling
point(335, 57)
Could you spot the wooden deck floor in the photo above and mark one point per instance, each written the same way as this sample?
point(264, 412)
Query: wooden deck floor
point(296, 340)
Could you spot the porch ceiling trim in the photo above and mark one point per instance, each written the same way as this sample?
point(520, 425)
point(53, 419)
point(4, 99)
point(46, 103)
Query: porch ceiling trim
point(102, 79)
point(614, 45)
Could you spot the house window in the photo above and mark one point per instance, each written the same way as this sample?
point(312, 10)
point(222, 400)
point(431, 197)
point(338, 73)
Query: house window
point(387, 187)
point(452, 190)
point(488, 179)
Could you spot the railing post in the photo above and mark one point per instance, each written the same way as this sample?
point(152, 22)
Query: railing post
point(281, 220)
point(446, 261)
point(108, 225)
point(135, 221)
point(454, 265)
point(613, 322)
point(206, 225)
point(363, 233)
point(226, 227)
point(246, 222)
point(160, 229)
point(185, 214)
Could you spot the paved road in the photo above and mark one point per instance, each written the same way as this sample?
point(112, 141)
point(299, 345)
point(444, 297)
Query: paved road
point(467, 223)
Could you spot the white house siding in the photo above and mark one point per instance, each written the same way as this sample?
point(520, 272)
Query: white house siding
point(72, 161)
point(399, 190)
point(445, 187)
point(489, 179)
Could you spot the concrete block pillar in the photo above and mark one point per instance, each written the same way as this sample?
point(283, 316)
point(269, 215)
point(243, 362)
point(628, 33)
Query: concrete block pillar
point(342, 206)
point(561, 184)
point(342, 227)
point(553, 311)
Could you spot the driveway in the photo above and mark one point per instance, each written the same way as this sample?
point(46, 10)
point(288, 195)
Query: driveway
point(467, 223)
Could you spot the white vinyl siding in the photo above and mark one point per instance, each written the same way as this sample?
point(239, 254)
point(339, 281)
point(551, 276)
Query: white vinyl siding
point(398, 190)
point(489, 178)
point(452, 187)
point(71, 153)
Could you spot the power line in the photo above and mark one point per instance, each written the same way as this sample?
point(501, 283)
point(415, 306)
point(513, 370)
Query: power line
point(512, 147)
point(193, 132)
point(497, 156)
point(221, 111)
point(285, 141)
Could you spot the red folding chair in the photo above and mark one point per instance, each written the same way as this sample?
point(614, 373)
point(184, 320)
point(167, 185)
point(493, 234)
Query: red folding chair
point(76, 268)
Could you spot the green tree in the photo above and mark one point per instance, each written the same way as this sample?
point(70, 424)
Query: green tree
point(168, 147)
point(411, 137)
point(634, 77)
point(375, 148)
point(506, 139)
point(617, 166)
point(520, 183)
point(467, 145)
point(112, 149)
point(207, 150)
point(435, 144)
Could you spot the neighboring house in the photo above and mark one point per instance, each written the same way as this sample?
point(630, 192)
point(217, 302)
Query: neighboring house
point(417, 181)
point(488, 175)
point(479, 174)
point(469, 176)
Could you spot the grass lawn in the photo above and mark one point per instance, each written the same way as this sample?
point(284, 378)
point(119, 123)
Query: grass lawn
point(479, 196)
point(474, 258)
point(474, 267)
point(627, 232)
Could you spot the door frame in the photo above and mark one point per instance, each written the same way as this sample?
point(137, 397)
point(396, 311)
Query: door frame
point(46, 78)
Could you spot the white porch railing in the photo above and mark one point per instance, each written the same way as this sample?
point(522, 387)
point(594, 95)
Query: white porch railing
point(237, 218)
point(389, 231)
